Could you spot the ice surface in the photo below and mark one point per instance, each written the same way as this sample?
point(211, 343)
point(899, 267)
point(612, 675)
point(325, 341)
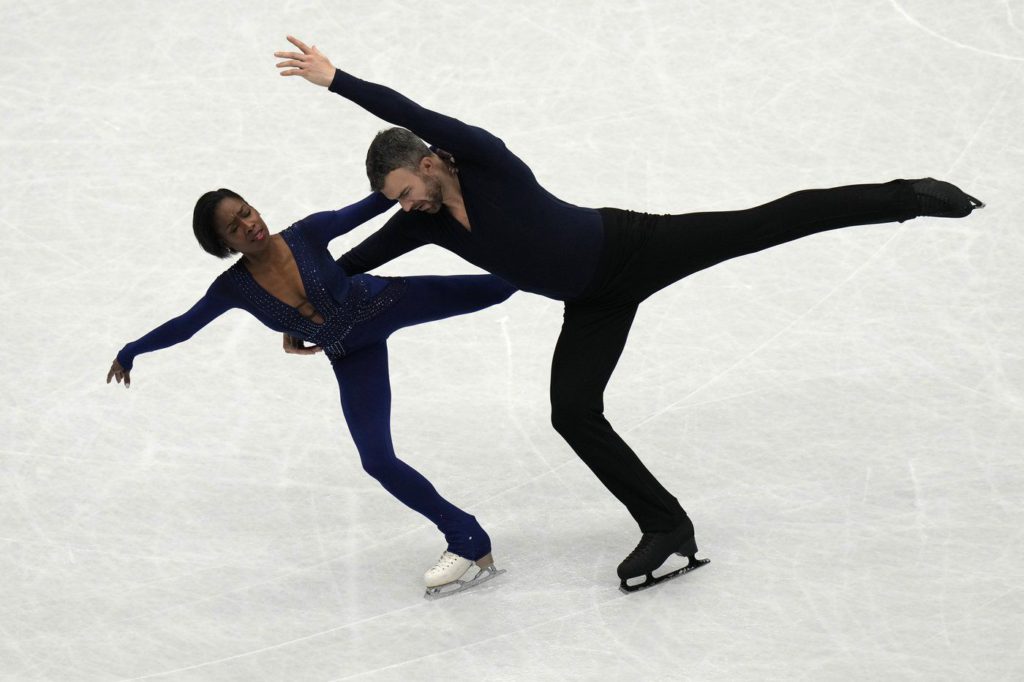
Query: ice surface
point(841, 416)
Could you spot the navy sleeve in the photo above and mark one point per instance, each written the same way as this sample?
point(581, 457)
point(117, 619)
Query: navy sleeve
point(181, 328)
point(321, 228)
point(386, 244)
point(452, 135)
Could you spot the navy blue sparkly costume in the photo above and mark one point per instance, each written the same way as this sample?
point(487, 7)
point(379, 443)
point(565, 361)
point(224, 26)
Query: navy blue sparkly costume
point(359, 313)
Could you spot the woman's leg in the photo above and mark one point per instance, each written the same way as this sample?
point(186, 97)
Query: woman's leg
point(433, 297)
point(366, 402)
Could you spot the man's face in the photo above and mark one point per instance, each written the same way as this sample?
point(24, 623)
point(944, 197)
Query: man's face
point(240, 226)
point(414, 191)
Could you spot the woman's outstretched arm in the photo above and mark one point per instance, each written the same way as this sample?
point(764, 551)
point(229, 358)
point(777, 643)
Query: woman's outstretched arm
point(174, 331)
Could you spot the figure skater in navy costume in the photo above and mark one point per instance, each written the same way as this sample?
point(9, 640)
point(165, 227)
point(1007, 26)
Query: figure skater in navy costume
point(290, 282)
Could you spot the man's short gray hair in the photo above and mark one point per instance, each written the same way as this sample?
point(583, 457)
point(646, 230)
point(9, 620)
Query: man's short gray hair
point(393, 148)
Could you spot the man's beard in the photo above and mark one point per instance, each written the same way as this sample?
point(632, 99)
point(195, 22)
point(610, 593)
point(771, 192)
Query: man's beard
point(435, 195)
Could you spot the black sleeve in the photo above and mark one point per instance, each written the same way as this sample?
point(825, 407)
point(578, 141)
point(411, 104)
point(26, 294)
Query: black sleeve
point(386, 244)
point(450, 134)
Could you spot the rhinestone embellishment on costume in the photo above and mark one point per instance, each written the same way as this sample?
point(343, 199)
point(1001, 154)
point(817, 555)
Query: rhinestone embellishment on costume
point(339, 318)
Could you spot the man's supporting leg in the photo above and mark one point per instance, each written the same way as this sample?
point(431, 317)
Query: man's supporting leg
point(587, 351)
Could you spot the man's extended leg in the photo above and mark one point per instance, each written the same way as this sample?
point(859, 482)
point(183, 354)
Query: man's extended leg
point(670, 247)
point(679, 245)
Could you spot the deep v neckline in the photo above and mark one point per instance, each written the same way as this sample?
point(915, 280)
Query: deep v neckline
point(305, 287)
point(468, 229)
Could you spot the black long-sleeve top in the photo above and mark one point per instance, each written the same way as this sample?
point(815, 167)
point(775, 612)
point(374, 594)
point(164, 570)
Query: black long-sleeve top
point(520, 231)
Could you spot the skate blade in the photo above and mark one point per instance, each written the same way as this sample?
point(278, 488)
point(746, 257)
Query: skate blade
point(651, 581)
point(976, 203)
point(482, 576)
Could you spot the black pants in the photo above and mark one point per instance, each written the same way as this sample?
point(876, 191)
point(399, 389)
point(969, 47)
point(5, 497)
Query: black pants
point(644, 253)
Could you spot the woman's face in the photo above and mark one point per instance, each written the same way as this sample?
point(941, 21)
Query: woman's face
point(240, 226)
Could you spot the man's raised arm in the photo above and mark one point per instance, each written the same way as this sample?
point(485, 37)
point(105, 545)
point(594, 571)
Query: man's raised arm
point(462, 140)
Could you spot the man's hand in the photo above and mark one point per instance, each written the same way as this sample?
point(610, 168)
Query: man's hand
point(310, 64)
point(120, 373)
point(298, 347)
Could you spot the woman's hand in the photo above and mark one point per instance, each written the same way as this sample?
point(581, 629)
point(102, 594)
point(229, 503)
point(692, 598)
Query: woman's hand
point(310, 64)
point(118, 372)
point(297, 346)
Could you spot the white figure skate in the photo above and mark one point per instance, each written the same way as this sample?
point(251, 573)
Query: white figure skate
point(449, 575)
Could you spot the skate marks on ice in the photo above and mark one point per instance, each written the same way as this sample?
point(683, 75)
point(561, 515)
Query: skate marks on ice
point(917, 24)
point(481, 576)
point(650, 580)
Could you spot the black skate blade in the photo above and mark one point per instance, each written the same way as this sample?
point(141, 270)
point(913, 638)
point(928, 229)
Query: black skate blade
point(976, 203)
point(651, 581)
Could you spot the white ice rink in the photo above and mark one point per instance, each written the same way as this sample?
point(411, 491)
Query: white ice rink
point(841, 416)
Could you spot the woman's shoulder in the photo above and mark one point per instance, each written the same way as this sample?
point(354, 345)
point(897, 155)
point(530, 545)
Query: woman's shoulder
point(228, 283)
point(299, 232)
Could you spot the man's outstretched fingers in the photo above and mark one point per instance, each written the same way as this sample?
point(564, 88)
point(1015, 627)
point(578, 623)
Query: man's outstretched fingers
point(298, 43)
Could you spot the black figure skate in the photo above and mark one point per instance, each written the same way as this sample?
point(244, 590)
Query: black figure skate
point(942, 199)
point(651, 553)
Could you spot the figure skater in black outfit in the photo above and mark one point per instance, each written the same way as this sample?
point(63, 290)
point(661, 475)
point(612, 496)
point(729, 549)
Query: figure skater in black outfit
point(481, 201)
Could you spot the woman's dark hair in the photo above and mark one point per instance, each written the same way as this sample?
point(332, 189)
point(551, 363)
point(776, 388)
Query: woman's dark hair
point(202, 222)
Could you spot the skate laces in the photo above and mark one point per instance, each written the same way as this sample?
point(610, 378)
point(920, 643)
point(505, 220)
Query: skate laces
point(447, 560)
point(643, 547)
